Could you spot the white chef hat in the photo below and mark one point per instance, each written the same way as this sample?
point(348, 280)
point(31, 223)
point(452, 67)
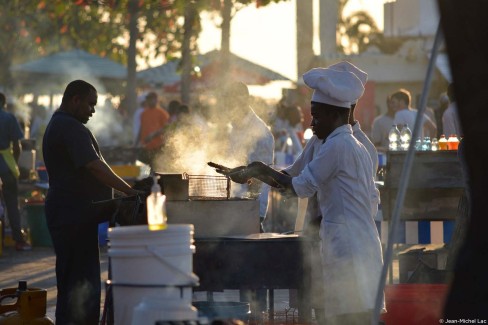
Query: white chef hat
point(348, 66)
point(334, 87)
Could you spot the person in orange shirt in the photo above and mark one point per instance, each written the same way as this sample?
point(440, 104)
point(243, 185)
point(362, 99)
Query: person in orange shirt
point(153, 121)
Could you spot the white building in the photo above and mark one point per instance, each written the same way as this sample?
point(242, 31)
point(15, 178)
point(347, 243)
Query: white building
point(414, 22)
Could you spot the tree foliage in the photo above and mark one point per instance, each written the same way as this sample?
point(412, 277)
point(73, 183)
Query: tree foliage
point(356, 32)
point(37, 28)
point(31, 29)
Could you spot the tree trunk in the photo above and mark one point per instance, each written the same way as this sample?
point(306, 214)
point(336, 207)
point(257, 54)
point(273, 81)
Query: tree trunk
point(186, 60)
point(225, 42)
point(130, 93)
point(304, 18)
point(6, 79)
point(329, 16)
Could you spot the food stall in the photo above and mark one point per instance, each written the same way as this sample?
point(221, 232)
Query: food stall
point(434, 188)
point(230, 251)
point(433, 193)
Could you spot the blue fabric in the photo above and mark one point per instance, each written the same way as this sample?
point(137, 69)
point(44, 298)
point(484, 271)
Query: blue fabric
point(424, 232)
point(448, 229)
point(67, 147)
point(400, 233)
point(9, 131)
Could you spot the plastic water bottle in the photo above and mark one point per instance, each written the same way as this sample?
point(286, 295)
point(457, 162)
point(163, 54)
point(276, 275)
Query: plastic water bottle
point(405, 137)
point(156, 210)
point(435, 144)
point(394, 138)
point(418, 144)
point(426, 145)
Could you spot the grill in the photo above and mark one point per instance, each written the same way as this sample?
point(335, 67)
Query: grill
point(205, 202)
point(181, 187)
point(208, 187)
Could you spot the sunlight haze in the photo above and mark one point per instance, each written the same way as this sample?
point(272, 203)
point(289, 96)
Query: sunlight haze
point(267, 35)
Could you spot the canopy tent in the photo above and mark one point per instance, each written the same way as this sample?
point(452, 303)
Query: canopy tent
point(49, 73)
point(168, 76)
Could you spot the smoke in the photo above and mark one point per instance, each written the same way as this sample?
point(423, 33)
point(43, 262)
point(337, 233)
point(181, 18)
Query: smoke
point(108, 127)
point(219, 136)
point(81, 298)
point(20, 110)
point(189, 146)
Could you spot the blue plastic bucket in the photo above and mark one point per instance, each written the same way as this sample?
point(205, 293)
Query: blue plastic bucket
point(102, 234)
point(215, 310)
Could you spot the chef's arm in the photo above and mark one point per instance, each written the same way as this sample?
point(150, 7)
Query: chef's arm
point(105, 175)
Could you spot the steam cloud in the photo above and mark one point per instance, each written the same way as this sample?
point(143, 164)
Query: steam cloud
point(197, 141)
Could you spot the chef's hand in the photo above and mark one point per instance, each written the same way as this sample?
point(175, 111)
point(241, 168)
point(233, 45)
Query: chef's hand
point(220, 168)
point(240, 175)
point(244, 174)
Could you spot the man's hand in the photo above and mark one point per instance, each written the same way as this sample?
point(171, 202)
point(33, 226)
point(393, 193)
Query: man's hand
point(240, 175)
point(220, 168)
point(237, 174)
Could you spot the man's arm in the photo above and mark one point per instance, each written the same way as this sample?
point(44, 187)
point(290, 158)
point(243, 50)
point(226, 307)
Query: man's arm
point(16, 148)
point(264, 173)
point(105, 174)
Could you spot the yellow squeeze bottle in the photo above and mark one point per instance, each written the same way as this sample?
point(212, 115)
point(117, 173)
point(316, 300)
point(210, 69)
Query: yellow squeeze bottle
point(156, 210)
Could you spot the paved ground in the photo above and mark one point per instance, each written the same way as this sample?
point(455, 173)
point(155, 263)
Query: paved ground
point(37, 268)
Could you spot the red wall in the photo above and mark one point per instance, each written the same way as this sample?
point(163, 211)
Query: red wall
point(365, 111)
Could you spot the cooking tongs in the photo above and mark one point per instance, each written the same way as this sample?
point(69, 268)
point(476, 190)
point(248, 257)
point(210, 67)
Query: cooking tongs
point(117, 205)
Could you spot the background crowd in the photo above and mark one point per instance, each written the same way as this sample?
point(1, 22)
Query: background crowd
point(159, 118)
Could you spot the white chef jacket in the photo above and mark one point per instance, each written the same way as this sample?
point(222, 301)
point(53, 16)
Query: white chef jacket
point(363, 138)
point(341, 176)
point(252, 140)
point(309, 152)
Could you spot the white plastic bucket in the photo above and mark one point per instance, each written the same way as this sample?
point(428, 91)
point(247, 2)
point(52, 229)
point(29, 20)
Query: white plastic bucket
point(140, 236)
point(153, 309)
point(148, 264)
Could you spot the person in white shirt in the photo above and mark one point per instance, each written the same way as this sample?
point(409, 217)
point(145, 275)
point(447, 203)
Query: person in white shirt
point(341, 175)
point(136, 119)
point(401, 100)
point(382, 125)
point(450, 118)
point(250, 139)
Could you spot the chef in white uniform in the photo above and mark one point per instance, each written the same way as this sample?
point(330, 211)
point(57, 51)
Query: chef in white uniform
point(313, 215)
point(341, 175)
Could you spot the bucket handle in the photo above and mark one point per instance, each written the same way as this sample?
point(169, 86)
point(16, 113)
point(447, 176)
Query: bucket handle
point(154, 250)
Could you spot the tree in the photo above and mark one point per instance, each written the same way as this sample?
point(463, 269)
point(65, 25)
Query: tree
point(228, 9)
point(117, 29)
point(356, 32)
point(33, 28)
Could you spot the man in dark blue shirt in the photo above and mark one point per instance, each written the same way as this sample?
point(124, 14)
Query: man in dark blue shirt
point(78, 176)
point(10, 135)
